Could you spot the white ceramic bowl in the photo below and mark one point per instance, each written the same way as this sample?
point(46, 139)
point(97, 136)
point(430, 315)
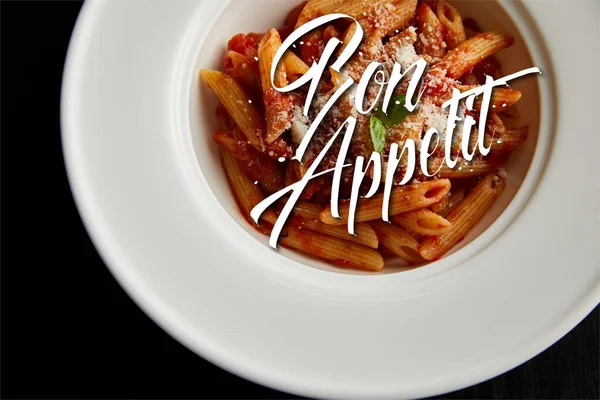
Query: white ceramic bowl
point(146, 177)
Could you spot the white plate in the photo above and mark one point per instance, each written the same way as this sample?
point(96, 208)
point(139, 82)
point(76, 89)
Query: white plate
point(154, 200)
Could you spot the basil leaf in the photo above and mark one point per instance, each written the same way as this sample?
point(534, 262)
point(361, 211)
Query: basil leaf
point(396, 112)
point(377, 134)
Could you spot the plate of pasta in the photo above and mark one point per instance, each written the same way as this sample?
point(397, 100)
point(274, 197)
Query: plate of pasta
point(341, 198)
point(264, 146)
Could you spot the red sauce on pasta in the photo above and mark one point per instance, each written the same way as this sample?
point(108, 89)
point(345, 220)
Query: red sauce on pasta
point(244, 44)
point(392, 38)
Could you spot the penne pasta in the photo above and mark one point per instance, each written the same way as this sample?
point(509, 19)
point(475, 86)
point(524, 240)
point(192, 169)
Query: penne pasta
point(464, 217)
point(310, 52)
point(494, 127)
point(224, 120)
point(461, 60)
point(368, 13)
point(256, 165)
point(338, 251)
point(241, 68)
point(317, 8)
point(441, 205)
point(268, 46)
point(370, 49)
point(423, 221)
point(502, 98)
point(306, 215)
point(337, 79)
point(454, 200)
point(238, 105)
point(508, 140)
point(431, 40)
point(454, 31)
point(244, 113)
point(403, 199)
point(247, 193)
point(347, 36)
point(398, 241)
point(294, 66)
point(399, 14)
point(499, 139)
point(278, 106)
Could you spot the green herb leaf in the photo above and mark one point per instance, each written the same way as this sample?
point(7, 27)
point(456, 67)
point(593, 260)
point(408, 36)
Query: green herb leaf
point(377, 134)
point(396, 112)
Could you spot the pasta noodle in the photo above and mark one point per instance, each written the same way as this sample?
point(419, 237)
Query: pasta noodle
point(464, 217)
point(341, 252)
point(399, 12)
point(241, 68)
point(441, 205)
point(294, 66)
point(238, 105)
point(452, 22)
point(277, 105)
point(247, 194)
point(423, 221)
point(502, 98)
point(350, 31)
point(509, 140)
point(431, 37)
point(463, 58)
point(453, 200)
point(403, 199)
point(307, 215)
point(398, 241)
point(257, 166)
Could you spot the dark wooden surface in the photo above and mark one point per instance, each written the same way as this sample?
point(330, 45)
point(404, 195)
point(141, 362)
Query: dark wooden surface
point(68, 329)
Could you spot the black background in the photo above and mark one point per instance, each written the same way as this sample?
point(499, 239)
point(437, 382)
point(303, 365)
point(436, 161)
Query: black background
point(68, 329)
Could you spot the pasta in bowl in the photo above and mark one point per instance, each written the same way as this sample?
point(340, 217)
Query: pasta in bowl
point(286, 149)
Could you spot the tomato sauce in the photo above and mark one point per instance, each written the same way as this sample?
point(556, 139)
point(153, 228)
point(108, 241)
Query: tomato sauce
point(312, 47)
point(244, 44)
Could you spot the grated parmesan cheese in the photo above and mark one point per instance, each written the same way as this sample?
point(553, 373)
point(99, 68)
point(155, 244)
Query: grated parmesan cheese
point(404, 52)
point(434, 117)
point(299, 125)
